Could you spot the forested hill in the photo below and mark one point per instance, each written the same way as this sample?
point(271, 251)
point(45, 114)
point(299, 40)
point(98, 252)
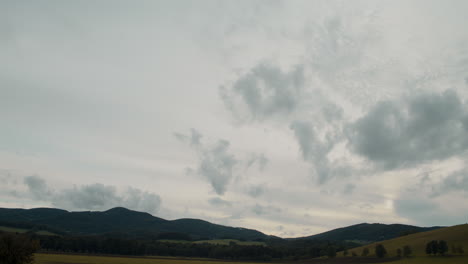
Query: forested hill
point(367, 233)
point(123, 221)
point(132, 224)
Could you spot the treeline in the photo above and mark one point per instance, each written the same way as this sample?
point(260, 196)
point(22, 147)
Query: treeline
point(123, 246)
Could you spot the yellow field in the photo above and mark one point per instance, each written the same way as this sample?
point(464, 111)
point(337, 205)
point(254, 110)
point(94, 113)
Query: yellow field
point(432, 260)
point(454, 235)
point(79, 259)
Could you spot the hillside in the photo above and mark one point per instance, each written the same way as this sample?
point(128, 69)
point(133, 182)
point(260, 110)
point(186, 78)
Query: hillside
point(454, 235)
point(121, 221)
point(368, 233)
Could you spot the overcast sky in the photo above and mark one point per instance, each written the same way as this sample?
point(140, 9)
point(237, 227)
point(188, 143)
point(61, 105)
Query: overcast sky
point(289, 117)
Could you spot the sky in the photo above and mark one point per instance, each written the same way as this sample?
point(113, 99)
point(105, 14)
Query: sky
point(289, 117)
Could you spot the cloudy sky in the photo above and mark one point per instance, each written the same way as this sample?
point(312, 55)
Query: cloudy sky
point(290, 117)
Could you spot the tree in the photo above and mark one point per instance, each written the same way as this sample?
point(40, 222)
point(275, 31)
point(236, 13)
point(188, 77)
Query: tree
point(331, 252)
point(434, 247)
point(380, 251)
point(17, 248)
point(429, 248)
point(460, 249)
point(407, 251)
point(354, 254)
point(442, 247)
point(345, 252)
point(398, 252)
point(365, 252)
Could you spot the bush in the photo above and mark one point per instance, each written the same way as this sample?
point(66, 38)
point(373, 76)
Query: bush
point(17, 248)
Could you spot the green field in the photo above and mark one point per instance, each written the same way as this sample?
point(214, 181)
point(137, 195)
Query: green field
point(22, 230)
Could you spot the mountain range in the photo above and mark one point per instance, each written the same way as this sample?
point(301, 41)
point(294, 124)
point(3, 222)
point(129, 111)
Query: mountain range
point(130, 223)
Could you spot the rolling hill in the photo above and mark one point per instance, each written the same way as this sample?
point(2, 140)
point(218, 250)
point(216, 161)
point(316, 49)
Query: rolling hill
point(454, 235)
point(122, 221)
point(367, 233)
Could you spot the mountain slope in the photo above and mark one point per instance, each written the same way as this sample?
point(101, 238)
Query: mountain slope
point(367, 233)
point(454, 235)
point(123, 221)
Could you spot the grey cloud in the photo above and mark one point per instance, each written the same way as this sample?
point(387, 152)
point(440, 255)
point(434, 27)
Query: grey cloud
point(424, 128)
point(216, 201)
point(314, 149)
point(349, 188)
point(265, 210)
point(264, 92)
point(216, 164)
point(259, 159)
point(421, 210)
point(93, 197)
point(37, 187)
point(256, 191)
point(456, 181)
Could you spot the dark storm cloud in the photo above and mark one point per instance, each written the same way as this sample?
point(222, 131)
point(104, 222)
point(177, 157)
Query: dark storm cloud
point(423, 128)
point(92, 197)
point(264, 92)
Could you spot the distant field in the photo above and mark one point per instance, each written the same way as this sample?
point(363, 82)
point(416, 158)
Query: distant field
point(22, 230)
point(79, 259)
point(218, 242)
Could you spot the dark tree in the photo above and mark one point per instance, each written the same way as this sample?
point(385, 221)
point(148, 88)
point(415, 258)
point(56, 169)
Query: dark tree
point(353, 254)
point(407, 251)
point(331, 252)
point(17, 248)
point(380, 251)
point(398, 252)
point(442, 247)
point(345, 252)
point(365, 252)
point(460, 249)
point(429, 248)
point(434, 247)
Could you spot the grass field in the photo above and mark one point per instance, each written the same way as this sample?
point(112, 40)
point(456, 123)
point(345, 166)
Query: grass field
point(81, 259)
point(454, 235)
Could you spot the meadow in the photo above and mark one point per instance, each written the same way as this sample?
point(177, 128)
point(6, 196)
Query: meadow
point(84, 259)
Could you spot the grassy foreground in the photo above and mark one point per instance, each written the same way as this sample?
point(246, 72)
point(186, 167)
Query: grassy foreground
point(83, 259)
